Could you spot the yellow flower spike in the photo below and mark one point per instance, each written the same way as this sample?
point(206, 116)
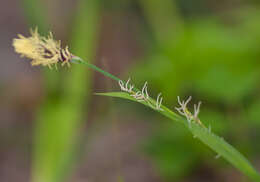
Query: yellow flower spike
point(42, 50)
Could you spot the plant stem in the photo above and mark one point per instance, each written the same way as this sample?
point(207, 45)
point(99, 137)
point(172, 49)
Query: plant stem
point(76, 59)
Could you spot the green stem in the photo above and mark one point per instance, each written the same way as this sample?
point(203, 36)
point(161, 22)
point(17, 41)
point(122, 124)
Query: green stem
point(81, 61)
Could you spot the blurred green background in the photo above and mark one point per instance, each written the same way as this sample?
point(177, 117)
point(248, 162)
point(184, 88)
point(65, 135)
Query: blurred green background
point(53, 129)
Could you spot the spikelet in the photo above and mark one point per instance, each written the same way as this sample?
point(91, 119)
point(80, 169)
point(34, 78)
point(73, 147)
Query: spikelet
point(141, 96)
point(183, 110)
point(41, 50)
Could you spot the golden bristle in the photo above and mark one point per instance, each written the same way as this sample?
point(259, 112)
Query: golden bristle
point(43, 51)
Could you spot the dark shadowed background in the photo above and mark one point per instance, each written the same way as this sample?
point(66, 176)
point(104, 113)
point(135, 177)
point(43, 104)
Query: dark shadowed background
point(54, 129)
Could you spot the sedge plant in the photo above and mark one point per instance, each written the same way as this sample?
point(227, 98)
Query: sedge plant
point(48, 52)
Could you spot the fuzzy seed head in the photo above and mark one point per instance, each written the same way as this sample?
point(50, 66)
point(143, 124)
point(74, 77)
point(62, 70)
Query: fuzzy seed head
point(41, 50)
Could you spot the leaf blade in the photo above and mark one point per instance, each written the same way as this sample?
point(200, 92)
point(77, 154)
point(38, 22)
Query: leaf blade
point(216, 143)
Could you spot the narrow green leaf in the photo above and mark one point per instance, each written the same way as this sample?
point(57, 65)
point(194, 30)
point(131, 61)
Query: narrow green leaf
point(216, 143)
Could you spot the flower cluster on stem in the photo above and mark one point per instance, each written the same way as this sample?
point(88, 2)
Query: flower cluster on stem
point(183, 110)
point(141, 96)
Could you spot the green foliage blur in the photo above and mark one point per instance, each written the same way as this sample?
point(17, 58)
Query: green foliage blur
point(215, 58)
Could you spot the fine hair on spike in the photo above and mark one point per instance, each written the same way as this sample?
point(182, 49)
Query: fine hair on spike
point(159, 102)
point(141, 96)
point(183, 110)
point(138, 96)
point(121, 84)
point(145, 91)
point(127, 87)
point(144, 87)
point(197, 109)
